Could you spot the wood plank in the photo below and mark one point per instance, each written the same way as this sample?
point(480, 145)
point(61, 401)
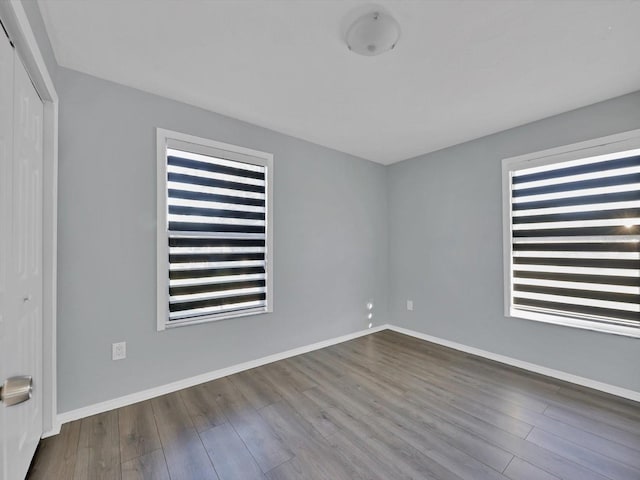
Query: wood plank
point(452, 380)
point(151, 466)
point(436, 392)
point(520, 470)
point(311, 450)
point(290, 380)
point(420, 425)
point(138, 431)
point(527, 386)
point(302, 380)
point(294, 470)
point(590, 459)
point(513, 444)
point(334, 392)
point(267, 449)
point(56, 456)
point(584, 438)
point(554, 463)
point(312, 413)
point(364, 459)
point(229, 454)
point(601, 400)
point(597, 443)
point(588, 424)
point(622, 421)
point(255, 388)
point(463, 464)
point(185, 455)
point(99, 448)
point(202, 407)
point(390, 449)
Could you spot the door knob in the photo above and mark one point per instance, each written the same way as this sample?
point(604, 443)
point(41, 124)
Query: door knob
point(16, 390)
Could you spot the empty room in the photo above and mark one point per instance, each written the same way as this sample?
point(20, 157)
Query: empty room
point(320, 239)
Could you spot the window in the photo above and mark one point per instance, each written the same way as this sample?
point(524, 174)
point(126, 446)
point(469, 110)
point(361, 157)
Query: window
point(571, 235)
point(215, 230)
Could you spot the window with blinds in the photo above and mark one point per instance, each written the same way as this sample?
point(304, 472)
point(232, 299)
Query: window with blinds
point(574, 231)
point(216, 244)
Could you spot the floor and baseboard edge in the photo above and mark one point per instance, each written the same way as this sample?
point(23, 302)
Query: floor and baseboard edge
point(195, 380)
point(532, 367)
point(206, 377)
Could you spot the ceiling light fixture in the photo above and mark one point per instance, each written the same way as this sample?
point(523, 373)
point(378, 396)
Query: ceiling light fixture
point(373, 33)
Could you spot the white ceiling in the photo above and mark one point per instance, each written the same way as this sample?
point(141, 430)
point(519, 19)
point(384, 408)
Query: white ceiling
point(461, 70)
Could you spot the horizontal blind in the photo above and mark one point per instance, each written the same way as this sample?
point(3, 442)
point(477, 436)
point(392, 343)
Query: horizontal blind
point(575, 249)
point(216, 211)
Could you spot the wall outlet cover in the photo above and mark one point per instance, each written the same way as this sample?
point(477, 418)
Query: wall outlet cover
point(118, 350)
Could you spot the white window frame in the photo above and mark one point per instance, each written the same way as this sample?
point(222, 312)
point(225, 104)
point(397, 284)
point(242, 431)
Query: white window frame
point(168, 138)
point(601, 146)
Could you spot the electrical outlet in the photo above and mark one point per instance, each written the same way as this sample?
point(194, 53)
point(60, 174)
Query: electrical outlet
point(118, 351)
point(410, 305)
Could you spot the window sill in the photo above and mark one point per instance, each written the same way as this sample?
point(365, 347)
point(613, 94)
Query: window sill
point(213, 318)
point(575, 323)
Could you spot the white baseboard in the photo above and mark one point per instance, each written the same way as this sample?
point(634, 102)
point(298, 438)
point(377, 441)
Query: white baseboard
point(205, 377)
point(532, 367)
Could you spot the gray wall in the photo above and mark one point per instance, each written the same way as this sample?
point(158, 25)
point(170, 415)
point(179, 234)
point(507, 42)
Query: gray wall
point(330, 245)
point(445, 221)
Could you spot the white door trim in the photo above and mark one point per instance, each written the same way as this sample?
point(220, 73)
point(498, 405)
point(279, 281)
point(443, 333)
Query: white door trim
point(16, 23)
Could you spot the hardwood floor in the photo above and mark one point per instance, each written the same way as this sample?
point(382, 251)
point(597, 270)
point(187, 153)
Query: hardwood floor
point(385, 406)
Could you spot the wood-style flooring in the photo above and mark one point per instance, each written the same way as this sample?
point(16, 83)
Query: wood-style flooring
point(385, 406)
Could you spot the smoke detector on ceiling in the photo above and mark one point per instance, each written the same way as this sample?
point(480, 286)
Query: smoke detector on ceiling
point(373, 34)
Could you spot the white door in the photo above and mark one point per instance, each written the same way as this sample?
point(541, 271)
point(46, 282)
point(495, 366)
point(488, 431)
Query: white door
point(21, 112)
